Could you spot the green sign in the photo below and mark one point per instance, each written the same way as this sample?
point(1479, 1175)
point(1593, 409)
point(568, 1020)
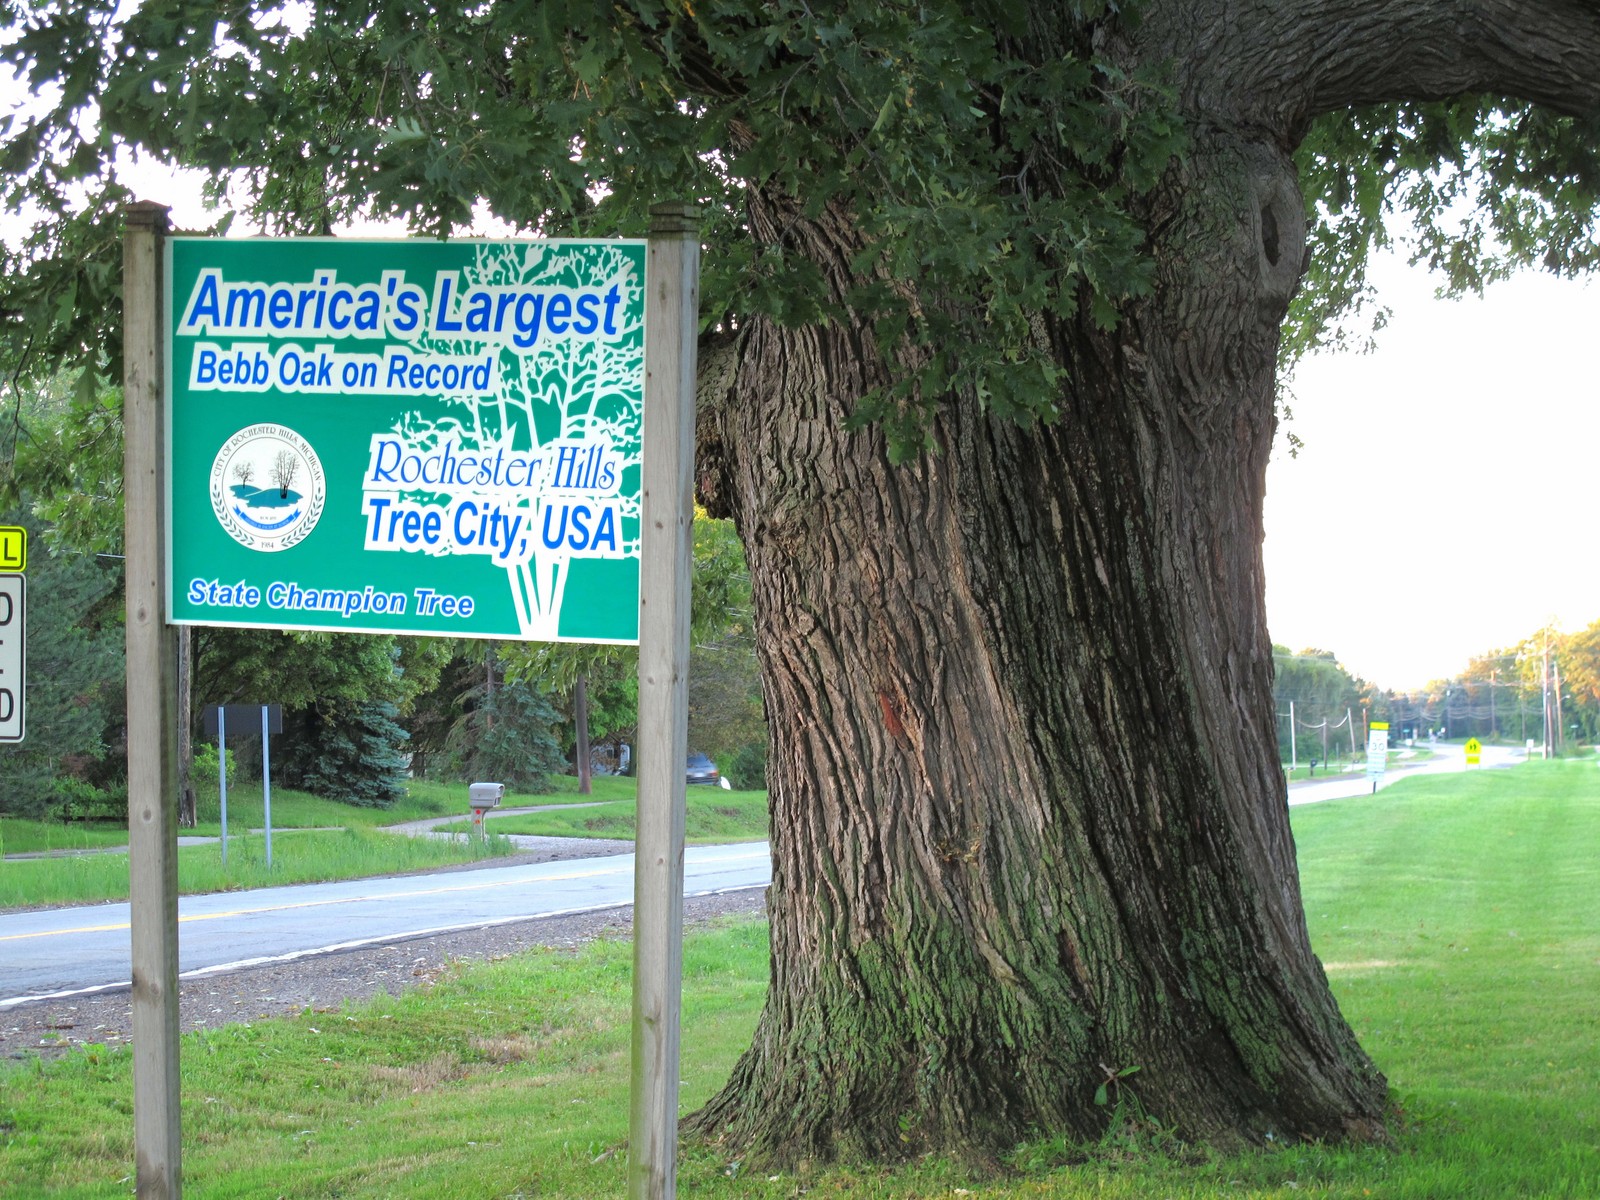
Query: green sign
point(406, 436)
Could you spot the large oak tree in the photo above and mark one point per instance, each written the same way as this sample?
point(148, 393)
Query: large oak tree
point(995, 298)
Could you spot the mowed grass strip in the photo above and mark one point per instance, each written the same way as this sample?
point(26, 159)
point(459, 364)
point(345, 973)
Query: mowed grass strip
point(1455, 916)
point(504, 1079)
point(711, 815)
point(1458, 919)
point(298, 856)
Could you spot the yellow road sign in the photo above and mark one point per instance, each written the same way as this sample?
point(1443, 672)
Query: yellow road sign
point(1474, 752)
point(13, 548)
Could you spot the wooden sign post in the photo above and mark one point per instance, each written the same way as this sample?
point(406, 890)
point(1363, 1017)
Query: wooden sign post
point(666, 559)
point(666, 507)
point(152, 718)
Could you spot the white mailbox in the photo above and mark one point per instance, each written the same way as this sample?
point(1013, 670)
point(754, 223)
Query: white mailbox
point(485, 795)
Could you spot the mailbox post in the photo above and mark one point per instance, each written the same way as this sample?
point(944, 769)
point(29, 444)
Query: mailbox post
point(483, 797)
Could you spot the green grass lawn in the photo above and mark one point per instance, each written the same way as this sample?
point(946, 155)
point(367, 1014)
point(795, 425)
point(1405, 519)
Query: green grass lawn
point(316, 839)
point(350, 847)
point(291, 809)
point(1348, 767)
point(21, 836)
point(423, 798)
point(1456, 917)
point(711, 815)
point(1346, 770)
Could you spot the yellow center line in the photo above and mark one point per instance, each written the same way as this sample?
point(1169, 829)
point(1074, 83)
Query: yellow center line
point(19, 937)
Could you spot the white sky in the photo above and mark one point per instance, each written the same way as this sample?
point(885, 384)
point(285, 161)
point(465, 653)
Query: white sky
point(1445, 501)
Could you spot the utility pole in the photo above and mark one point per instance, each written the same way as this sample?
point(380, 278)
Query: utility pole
point(1292, 759)
point(580, 727)
point(1522, 709)
point(1560, 738)
point(488, 684)
point(1544, 685)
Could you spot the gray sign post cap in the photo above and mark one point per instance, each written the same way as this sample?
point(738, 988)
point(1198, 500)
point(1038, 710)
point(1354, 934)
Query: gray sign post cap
point(485, 795)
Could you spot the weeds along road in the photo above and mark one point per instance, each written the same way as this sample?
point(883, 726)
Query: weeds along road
point(70, 951)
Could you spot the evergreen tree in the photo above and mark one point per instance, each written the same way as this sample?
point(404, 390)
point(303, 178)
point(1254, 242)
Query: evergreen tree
point(436, 711)
point(340, 695)
point(346, 750)
point(506, 737)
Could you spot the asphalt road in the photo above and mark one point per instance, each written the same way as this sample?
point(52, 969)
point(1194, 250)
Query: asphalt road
point(72, 951)
point(1446, 757)
point(66, 951)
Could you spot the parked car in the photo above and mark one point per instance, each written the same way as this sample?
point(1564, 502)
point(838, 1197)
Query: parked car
point(703, 770)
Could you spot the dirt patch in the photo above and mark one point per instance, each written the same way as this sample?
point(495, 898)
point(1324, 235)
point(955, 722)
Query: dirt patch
point(423, 1076)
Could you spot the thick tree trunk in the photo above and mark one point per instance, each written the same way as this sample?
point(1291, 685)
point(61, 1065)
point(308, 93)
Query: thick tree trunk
point(1029, 826)
point(580, 725)
point(187, 817)
point(490, 653)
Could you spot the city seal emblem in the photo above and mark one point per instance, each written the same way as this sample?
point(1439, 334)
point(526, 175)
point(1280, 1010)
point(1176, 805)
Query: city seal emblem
point(267, 487)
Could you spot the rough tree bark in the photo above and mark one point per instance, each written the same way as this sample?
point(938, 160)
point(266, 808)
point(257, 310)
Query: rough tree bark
point(1028, 818)
point(187, 818)
point(580, 725)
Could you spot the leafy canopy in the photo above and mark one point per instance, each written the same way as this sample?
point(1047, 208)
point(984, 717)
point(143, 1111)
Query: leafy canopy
point(988, 161)
point(1484, 188)
point(986, 168)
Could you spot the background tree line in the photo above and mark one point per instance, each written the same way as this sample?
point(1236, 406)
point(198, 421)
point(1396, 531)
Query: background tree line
point(1545, 687)
point(1320, 705)
point(361, 711)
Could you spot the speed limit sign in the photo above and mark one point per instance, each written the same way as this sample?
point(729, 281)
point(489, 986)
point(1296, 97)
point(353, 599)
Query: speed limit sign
point(13, 657)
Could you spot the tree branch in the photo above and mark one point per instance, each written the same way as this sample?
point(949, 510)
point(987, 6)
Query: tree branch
point(1282, 65)
point(1544, 53)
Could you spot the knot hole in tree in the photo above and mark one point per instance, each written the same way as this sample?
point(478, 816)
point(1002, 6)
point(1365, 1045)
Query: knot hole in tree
point(1269, 236)
point(1281, 236)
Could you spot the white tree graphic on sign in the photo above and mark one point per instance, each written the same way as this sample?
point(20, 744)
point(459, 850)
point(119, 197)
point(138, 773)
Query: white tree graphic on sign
point(562, 392)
